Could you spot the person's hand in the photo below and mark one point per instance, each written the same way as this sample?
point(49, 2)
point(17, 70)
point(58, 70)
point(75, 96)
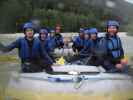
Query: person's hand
point(124, 61)
point(119, 66)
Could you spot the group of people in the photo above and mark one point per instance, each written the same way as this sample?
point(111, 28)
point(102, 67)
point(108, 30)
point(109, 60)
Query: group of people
point(36, 53)
point(102, 51)
point(32, 51)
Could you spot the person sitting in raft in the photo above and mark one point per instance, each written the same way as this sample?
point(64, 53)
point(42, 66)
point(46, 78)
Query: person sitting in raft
point(113, 51)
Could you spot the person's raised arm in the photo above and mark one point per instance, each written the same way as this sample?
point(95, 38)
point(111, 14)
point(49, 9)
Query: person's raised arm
point(9, 47)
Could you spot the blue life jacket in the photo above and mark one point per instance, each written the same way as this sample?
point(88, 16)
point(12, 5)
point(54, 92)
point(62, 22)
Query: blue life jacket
point(114, 47)
point(87, 48)
point(45, 44)
point(24, 50)
point(58, 39)
point(78, 43)
point(95, 43)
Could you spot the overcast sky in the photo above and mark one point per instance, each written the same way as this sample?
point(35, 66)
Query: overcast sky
point(130, 1)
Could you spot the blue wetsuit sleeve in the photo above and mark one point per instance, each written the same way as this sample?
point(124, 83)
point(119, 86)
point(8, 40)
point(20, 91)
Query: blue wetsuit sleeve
point(47, 47)
point(12, 46)
point(45, 55)
point(77, 42)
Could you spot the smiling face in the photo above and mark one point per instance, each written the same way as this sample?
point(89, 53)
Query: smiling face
point(52, 33)
point(43, 36)
point(29, 33)
point(86, 36)
point(81, 35)
point(112, 30)
point(93, 36)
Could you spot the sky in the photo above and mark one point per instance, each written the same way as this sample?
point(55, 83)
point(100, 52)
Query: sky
point(130, 1)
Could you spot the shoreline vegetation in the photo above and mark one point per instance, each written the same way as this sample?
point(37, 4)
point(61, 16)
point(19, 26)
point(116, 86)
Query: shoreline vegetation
point(8, 58)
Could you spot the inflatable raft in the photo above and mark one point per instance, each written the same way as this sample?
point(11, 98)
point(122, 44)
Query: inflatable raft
point(69, 82)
